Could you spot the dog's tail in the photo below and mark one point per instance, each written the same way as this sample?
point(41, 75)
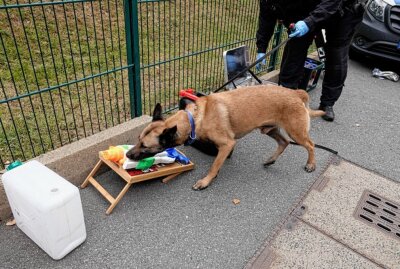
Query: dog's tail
point(304, 97)
point(315, 113)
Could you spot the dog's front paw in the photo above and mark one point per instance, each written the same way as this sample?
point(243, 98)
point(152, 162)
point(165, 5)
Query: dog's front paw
point(200, 185)
point(310, 167)
point(269, 162)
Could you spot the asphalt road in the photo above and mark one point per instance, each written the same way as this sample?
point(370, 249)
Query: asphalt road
point(160, 225)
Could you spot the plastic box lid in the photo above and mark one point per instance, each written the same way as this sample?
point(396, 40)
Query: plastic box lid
point(39, 185)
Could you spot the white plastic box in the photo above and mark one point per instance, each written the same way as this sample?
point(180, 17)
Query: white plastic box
point(46, 207)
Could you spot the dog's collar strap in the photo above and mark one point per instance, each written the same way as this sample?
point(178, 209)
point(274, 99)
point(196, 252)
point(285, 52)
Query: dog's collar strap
point(192, 135)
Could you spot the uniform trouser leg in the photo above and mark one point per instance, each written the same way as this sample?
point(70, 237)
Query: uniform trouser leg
point(294, 56)
point(338, 35)
point(335, 75)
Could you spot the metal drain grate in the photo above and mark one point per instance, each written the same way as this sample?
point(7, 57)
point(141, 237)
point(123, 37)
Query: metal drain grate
point(380, 213)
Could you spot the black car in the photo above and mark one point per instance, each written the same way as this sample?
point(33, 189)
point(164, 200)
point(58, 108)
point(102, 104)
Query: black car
point(378, 34)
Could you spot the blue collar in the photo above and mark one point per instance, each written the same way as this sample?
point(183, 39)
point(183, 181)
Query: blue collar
point(192, 135)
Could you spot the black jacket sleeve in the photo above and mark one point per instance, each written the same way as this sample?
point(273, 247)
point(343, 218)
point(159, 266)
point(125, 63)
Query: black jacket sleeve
point(266, 26)
point(322, 12)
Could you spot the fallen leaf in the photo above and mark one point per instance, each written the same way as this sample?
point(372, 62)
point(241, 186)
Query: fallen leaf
point(236, 201)
point(11, 222)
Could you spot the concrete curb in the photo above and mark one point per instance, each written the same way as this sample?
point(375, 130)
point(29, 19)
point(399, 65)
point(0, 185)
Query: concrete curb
point(272, 76)
point(75, 161)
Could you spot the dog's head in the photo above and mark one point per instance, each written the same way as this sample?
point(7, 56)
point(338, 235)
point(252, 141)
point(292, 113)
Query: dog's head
point(155, 138)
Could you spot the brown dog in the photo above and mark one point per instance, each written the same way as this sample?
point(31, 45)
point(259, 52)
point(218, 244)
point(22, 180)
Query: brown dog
point(224, 117)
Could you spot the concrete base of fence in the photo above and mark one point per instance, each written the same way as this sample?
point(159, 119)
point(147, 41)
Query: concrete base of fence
point(75, 161)
point(272, 76)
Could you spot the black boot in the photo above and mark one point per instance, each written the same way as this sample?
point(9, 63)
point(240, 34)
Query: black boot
point(329, 114)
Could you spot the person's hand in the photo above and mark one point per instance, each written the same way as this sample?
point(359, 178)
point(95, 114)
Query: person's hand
point(300, 29)
point(263, 62)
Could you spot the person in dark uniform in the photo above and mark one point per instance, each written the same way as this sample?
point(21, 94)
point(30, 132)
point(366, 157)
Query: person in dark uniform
point(339, 19)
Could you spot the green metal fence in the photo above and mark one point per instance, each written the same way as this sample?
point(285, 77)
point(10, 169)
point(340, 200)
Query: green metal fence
point(69, 69)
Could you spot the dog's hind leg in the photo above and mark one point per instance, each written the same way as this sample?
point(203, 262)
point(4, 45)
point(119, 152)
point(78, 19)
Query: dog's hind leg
point(223, 152)
point(309, 145)
point(301, 137)
point(282, 144)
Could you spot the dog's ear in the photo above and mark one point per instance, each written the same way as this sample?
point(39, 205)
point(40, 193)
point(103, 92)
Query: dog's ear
point(167, 138)
point(157, 113)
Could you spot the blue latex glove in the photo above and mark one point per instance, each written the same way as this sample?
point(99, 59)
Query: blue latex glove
point(263, 62)
point(300, 29)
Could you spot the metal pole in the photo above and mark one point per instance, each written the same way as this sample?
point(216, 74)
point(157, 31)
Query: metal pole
point(277, 40)
point(133, 55)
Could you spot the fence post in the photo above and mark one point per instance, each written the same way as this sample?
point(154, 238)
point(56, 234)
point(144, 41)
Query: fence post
point(276, 41)
point(133, 55)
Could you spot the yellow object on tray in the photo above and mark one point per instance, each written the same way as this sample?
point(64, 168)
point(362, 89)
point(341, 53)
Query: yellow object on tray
point(114, 154)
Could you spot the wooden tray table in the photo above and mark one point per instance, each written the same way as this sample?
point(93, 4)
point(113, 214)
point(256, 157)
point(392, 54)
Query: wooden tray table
point(168, 170)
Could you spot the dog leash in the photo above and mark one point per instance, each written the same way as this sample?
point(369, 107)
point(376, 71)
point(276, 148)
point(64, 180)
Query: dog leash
point(318, 146)
point(254, 64)
point(247, 69)
point(259, 81)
